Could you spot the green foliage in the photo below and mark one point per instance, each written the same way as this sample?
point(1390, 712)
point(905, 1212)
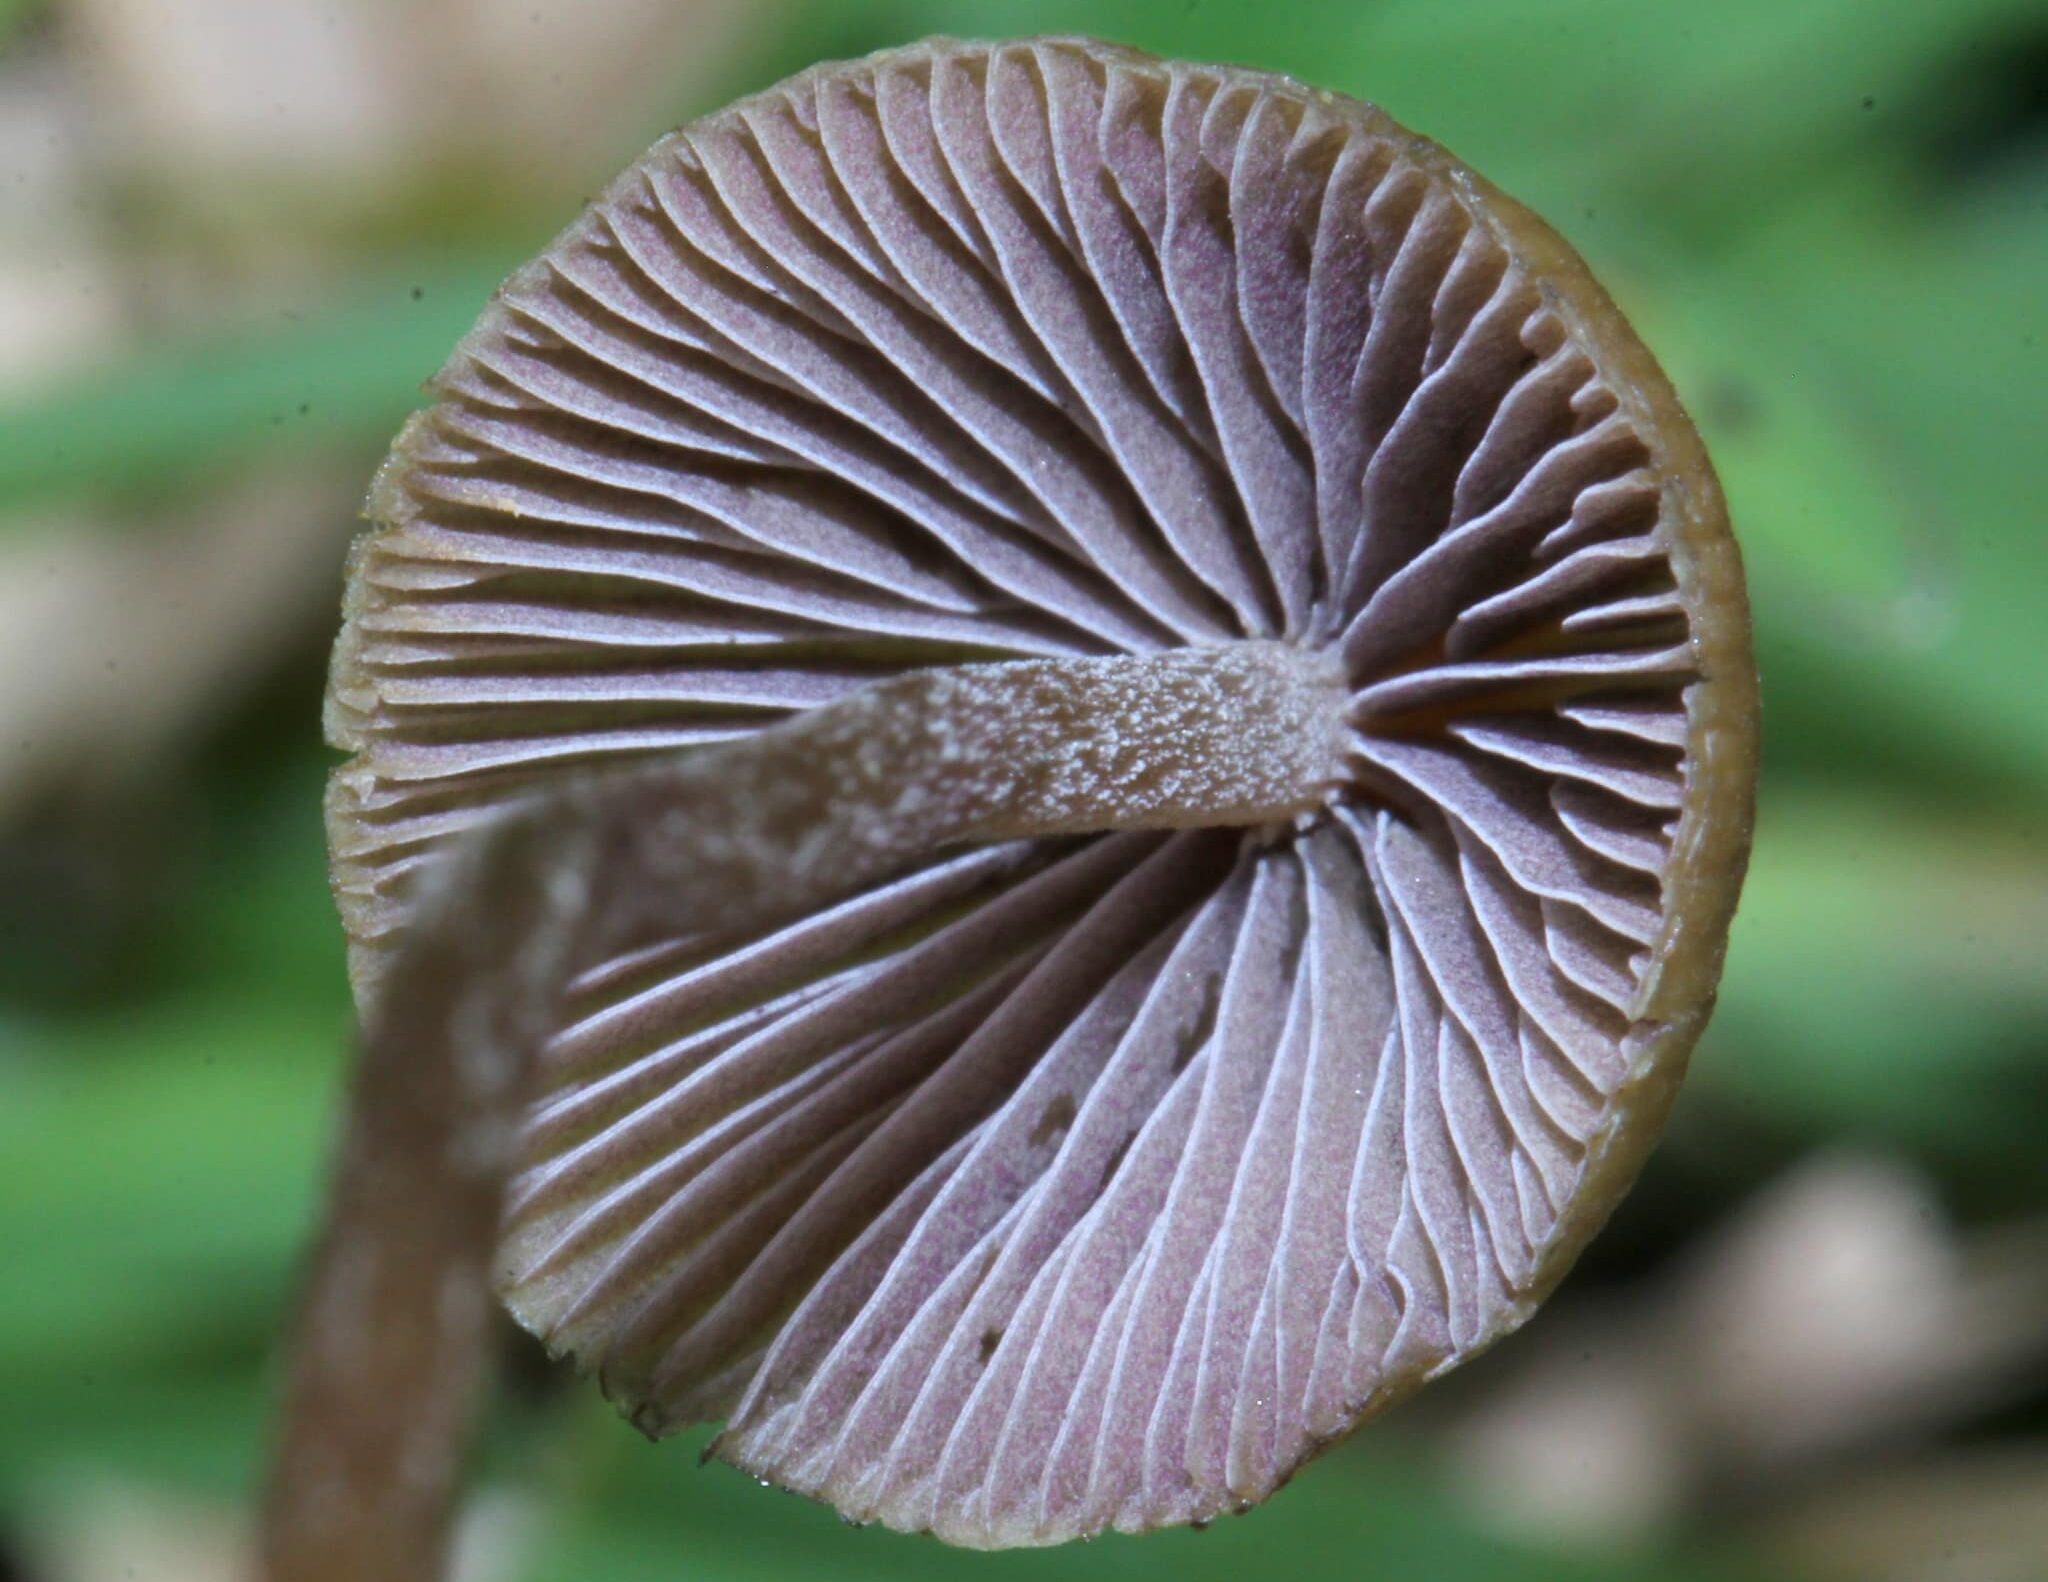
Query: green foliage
point(190, 409)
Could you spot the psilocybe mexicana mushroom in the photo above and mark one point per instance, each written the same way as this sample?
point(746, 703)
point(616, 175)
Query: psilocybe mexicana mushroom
point(1051, 752)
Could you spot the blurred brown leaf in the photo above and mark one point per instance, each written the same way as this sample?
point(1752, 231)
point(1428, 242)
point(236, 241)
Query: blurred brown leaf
point(1838, 1315)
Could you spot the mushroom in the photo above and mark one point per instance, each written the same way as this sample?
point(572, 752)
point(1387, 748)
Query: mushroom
point(1051, 752)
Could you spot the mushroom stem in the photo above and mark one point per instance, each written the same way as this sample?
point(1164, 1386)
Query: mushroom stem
point(387, 1353)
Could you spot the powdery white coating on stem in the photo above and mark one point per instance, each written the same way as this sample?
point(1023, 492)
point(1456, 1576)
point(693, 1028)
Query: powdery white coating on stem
point(1239, 734)
point(1245, 733)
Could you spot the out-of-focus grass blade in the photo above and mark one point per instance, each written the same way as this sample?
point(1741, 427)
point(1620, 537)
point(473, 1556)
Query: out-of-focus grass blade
point(156, 1180)
point(1687, 117)
point(196, 1427)
point(1888, 976)
point(1686, 111)
point(343, 374)
point(159, 1158)
point(1872, 391)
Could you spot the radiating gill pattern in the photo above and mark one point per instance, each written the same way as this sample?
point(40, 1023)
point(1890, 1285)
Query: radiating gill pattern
point(1097, 1182)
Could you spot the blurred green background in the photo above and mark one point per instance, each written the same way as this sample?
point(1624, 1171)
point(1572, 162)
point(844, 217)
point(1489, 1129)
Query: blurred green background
point(235, 235)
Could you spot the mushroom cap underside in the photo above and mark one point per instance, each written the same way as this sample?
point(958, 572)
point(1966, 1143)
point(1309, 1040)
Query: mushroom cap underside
point(1092, 1181)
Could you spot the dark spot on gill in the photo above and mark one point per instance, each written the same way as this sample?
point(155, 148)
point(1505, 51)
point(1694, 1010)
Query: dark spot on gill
point(990, 1339)
point(1115, 1161)
point(988, 1265)
point(1318, 576)
point(1053, 1120)
point(1297, 932)
point(1194, 1032)
point(1375, 918)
